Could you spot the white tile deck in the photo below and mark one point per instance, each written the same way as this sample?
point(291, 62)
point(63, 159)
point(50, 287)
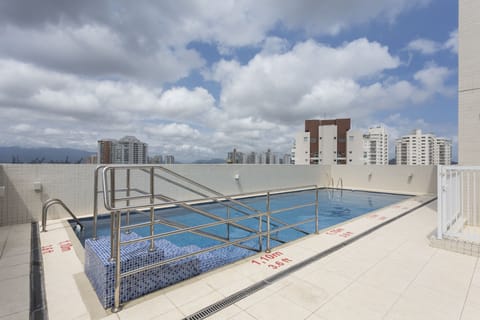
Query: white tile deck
point(391, 273)
point(15, 271)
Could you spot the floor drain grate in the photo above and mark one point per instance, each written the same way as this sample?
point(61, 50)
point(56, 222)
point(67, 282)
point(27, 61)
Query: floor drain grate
point(239, 295)
point(219, 305)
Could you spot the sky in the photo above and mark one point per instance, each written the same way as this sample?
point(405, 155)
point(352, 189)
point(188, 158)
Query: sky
point(198, 78)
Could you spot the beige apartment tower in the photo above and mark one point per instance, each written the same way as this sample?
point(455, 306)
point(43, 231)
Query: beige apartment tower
point(469, 83)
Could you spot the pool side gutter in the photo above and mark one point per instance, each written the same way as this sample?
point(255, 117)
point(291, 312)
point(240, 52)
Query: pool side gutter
point(38, 304)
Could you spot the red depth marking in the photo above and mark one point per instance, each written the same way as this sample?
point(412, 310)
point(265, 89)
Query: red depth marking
point(340, 232)
point(47, 249)
point(335, 231)
point(65, 245)
point(346, 234)
point(273, 260)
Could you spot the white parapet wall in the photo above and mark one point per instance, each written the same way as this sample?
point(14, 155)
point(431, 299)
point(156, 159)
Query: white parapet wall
point(25, 187)
point(387, 178)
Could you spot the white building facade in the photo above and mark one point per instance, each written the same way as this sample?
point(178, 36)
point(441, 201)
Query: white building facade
point(361, 148)
point(301, 148)
point(376, 143)
point(468, 83)
point(423, 149)
point(128, 150)
point(370, 148)
point(327, 145)
point(356, 147)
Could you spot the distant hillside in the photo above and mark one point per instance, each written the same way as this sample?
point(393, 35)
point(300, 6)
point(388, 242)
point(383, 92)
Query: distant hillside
point(42, 155)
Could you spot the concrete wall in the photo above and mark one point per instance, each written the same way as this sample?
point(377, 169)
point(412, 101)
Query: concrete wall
point(469, 82)
point(389, 178)
point(73, 184)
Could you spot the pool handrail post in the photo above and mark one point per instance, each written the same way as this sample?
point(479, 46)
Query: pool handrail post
point(228, 223)
point(95, 203)
point(260, 237)
point(95, 200)
point(152, 209)
point(267, 250)
point(112, 214)
point(316, 210)
point(127, 218)
point(116, 306)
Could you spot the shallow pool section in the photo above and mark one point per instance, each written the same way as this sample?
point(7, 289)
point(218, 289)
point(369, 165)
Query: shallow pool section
point(334, 207)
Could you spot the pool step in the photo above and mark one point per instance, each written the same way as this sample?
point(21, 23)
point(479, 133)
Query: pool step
point(100, 270)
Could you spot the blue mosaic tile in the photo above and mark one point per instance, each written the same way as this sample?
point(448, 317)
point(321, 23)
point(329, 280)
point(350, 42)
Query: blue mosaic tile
point(100, 271)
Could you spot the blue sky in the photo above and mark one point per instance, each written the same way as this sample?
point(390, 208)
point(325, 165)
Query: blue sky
point(198, 78)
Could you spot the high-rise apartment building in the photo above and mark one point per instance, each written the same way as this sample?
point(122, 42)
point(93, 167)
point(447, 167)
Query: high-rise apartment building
point(169, 159)
point(328, 140)
point(370, 148)
point(268, 157)
point(444, 151)
point(356, 147)
point(301, 148)
point(105, 151)
point(128, 150)
point(423, 149)
point(377, 145)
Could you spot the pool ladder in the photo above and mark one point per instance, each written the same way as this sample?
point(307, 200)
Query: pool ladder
point(50, 202)
point(339, 186)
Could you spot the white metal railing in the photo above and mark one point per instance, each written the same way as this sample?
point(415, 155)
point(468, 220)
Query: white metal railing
point(458, 202)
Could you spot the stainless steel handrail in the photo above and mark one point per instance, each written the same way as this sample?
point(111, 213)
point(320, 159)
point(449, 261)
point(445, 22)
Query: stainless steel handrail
point(115, 206)
point(50, 202)
point(119, 275)
point(220, 198)
point(204, 187)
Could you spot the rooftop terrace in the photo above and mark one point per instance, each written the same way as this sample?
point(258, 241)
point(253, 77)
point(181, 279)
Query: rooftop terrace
point(380, 265)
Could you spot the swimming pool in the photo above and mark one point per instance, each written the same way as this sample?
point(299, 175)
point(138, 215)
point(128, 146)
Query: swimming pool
point(177, 257)
point(335, 206)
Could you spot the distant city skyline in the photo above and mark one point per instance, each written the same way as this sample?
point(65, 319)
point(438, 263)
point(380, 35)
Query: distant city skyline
point(247, 75)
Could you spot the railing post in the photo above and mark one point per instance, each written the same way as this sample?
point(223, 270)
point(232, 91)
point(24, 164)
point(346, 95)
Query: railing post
point(316, 210)
point(152, 211)
point(440, 199)
point(95, 204)
point(268, 223)
point(228, 223)
point(260, 230)
point(44, 218)
point(116, 307)
point(112, 215)
point(127, 219)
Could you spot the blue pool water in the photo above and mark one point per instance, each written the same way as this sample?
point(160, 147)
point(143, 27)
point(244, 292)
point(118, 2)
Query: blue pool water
point(335, 206)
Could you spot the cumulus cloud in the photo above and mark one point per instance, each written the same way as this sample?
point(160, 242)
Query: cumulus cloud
point(430, 47)
point(452, 42)
point(309, 80)
point(97, 50)
point(424, 46)
point(432, 79)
